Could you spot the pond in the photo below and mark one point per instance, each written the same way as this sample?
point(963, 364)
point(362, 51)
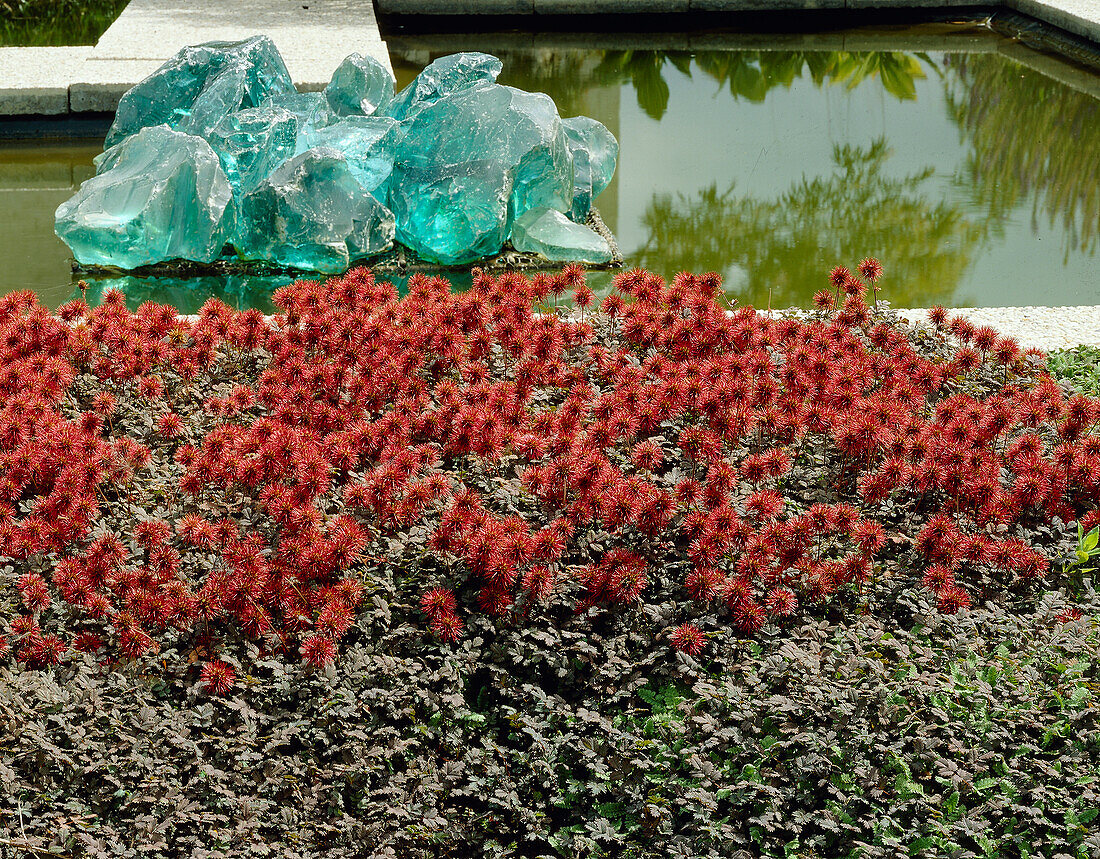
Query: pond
point(965, 161)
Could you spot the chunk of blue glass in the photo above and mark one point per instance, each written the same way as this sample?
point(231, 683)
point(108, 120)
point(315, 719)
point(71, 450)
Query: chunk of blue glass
point(442, 78)
point(200, 85)
point(551, 234)
point(519, 131)
point(454, 213)
point(311, 109)
point(312, 214)
point(359, 86)
point(595, 153)
point(369, 143)
point(162, 196)
point(458, 158)
point(251, 143)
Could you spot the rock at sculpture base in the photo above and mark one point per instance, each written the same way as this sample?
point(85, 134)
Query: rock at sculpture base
point(551, 234)
point(369, 143)
point(200, 85)
point(595, 153)
point(254, 142)
point(444, 77)
point(312, 214)
point(359, 87)
point(454, 214)
point(163, 197)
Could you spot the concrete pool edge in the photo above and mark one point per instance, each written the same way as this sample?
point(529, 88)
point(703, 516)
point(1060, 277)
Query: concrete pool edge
point(82, 79)
point(1078, 17)
point(312, 38)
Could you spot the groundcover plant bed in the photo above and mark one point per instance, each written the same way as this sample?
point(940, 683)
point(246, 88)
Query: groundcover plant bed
point(442, 575)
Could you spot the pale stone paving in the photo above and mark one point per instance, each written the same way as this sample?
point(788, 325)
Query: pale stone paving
point(1047, 328)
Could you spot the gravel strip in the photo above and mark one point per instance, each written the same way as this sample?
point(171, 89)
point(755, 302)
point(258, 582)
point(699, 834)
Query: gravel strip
point(1048, 328)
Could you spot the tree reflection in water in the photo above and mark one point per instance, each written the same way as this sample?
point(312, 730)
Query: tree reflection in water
point(787, 243)
point(1024, 135)
point(1030, 136)
point(752, 74)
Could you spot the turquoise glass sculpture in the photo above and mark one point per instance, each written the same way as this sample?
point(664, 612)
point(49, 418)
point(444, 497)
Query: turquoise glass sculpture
point(359, 86)
point(509, 133)
point(369, 143)
point(550, 233)
point(310, 108)
point(200, 85)
point(164, 196)
point(453, 214)
point(595, 153)
point(311, 213)
point(443, 78)
point(252, 143)
point(217, 149)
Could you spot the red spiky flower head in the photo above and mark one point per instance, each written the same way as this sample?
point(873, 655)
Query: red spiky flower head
point(839, 276)
point(689, 639)
point(318, 650)
point(871, 269)
point(953, 598)
point(436, 602)
point(218, 677)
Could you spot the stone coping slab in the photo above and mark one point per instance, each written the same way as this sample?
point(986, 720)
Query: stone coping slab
point(408, 47)
point(1079, 17)
point(36, 80)
point(1047, 328)
point(314, 36)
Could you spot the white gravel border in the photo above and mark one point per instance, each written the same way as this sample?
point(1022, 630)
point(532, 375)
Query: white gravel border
point(1048, 328)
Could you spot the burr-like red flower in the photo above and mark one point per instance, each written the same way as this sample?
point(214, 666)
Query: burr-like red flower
point(218, 677)
point(781, 602)
point(647, 456)
point(170, 425)
point(447, 627)
point(870, 268)
point(839, 276)
point(318, 650)
point(689, 639)
point(437, 601)
point(952, 599)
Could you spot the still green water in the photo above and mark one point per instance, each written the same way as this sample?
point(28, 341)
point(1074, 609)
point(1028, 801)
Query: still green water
point(970, 172)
